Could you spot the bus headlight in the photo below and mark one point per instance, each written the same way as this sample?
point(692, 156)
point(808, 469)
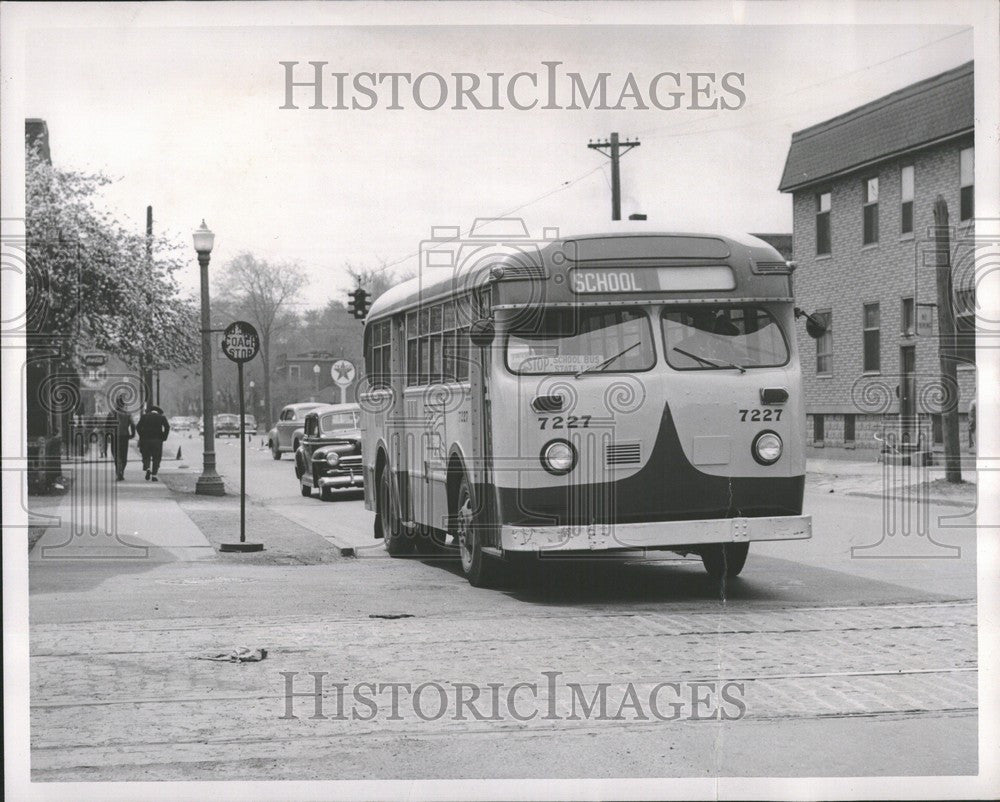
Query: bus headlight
point(766, 448)
point(558, 457)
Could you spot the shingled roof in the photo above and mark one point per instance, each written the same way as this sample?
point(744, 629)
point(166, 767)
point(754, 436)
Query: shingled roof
point(929, 111)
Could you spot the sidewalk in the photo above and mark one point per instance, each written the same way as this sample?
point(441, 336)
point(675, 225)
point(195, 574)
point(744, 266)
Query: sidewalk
point(101, 519)
point(858, 473)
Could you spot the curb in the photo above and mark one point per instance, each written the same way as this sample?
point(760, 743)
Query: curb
point(945, 502)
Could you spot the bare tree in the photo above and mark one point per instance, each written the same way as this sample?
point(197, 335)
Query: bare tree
point(264, 290)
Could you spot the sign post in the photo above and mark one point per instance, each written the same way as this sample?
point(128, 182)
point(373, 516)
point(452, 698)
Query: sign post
point(240, 344)
point(342, 372)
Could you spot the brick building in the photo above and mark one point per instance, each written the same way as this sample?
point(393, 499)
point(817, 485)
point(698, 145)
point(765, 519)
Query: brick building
point(863, 186)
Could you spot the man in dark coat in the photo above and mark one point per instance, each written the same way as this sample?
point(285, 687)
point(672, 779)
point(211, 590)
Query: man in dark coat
point(122, 430)
point(152, 429)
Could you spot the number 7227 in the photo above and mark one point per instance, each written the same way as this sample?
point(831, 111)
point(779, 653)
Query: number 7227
point(760, 415)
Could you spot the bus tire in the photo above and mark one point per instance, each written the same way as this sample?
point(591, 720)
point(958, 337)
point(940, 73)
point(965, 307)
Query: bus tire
point(395, 540)
point(725, 559)
point(477, 566)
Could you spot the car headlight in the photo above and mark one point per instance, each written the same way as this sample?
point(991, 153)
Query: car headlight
point(558, 457)
point(766, 447)
point(332, 458)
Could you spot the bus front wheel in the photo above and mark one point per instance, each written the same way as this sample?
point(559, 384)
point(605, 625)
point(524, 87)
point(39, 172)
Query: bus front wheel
point(725, 559)
point(476, 565)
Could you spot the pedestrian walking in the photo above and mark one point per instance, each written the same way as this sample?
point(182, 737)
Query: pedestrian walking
point(122, 430)
point(972, 424)
point(153, 430)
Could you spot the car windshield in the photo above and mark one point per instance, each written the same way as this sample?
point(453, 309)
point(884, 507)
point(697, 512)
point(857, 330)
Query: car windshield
point(227, 419)
point(338, 420)
point(713, 337)
point(581, 341)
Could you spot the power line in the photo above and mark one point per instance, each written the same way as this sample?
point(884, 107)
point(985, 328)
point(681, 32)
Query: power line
point(840, 76)
point(563, 186)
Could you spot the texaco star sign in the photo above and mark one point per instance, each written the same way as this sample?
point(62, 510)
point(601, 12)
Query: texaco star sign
point(342, 372)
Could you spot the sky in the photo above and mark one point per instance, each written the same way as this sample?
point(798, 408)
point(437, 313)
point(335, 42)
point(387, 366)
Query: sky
point(189, 121)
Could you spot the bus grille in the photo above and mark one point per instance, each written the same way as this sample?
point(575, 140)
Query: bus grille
point(616, 454)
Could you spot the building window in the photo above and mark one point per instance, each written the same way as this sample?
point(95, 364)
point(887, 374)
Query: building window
point(937, 430)
point(818, 429)
point(872, 343)
point(968, 184)
point(907, 322)
point(870, 232)
point(823, 224)
point(824, 345)
point(848, 428)
point(294, 373)
point(906, 196)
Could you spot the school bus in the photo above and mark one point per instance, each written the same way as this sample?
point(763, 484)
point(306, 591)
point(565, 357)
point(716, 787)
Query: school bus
point(602, 392)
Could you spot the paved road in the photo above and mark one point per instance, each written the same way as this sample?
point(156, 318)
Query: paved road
point(832, 664)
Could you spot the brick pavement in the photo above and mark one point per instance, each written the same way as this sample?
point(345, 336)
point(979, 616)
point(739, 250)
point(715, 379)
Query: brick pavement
point(120, 694)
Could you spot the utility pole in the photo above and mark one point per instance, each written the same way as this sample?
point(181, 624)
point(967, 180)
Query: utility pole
point(946, 343)
point(615, 150)
point(146, 369)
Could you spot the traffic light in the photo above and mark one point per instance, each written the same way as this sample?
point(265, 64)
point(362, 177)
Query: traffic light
point(358, 303)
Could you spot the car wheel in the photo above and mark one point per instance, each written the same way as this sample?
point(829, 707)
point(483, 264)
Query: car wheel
point(275, 453)
point(306, 491)
point(396, 542)
point(326, 494)
point(725, 559)
point(477, 566)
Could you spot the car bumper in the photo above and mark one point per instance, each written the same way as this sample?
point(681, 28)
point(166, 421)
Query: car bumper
point(654, 535)
point(353, 479)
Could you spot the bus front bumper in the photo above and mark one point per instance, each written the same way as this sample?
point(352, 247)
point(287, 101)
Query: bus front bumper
point(654, 535)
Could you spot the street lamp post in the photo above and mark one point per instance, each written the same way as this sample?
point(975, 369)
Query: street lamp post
point(209, 483)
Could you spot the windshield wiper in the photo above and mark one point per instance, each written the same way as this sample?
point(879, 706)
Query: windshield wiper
point(708, 361)
point(609, 360)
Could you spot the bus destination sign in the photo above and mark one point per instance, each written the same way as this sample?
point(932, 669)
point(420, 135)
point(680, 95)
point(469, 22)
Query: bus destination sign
point(240, 342)
point(692, 278)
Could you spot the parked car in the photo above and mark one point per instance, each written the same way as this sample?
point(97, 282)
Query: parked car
point(329, 453)
point(227, 424)
point(178, 423)
point(287, 432)
point(249, 424)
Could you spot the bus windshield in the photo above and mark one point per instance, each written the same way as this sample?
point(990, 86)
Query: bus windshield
point(706, 337)
point(583, 341)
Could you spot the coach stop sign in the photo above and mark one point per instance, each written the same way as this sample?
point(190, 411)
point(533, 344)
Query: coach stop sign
point(240, 342)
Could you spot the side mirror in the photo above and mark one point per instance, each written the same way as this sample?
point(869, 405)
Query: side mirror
point(481, 332)
point(815, 327)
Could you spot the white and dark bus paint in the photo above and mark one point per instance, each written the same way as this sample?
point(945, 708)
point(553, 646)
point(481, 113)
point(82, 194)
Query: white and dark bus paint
point(594, 393)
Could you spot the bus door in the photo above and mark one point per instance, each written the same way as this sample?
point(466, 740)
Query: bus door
point(480, 417)
point(397, 430)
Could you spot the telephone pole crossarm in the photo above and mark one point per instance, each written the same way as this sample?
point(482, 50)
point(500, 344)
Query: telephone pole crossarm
point(615, 150)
